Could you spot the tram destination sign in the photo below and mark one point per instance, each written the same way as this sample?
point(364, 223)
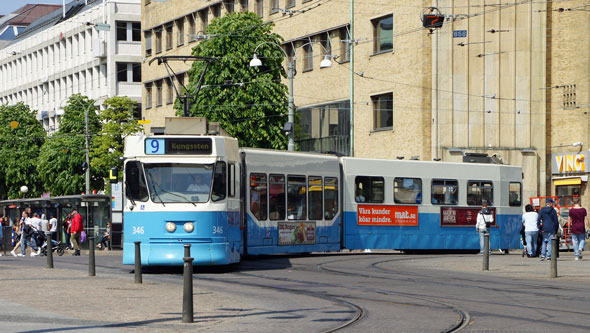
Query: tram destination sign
point(178, 146)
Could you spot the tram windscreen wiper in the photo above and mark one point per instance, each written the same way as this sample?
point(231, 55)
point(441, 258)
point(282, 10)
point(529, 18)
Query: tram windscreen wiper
point(154, 184)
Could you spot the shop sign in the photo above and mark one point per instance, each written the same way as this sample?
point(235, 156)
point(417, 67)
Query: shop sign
point(569, 163)
point(387, 215)
point(461, 217)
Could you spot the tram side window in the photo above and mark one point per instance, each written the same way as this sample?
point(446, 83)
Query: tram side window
point(219, 182)
point(515, 194)
point(369, 189)
point(444, 192)
point(136, 187)
point(407, 190)
point(296, 198)
point(315, 197)
point(258, 195)
point(330, 197)
point(231, 180)
point(276, 195)
point(478, 191)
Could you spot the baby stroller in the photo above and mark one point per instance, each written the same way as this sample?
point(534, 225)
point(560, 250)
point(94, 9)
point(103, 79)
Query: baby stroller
point(56, 247)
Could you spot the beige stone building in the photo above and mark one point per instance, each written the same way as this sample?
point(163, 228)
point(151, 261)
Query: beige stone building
point(509, 79)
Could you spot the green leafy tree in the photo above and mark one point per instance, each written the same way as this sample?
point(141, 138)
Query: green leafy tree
point(21, 138)
point(62, 156)
point(250, 103)
point(117, 123)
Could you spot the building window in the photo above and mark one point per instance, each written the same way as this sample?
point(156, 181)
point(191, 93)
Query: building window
point(191, 28)
point(325, 128)
point(147, 2)
point(148, 43)
point(326, 44)
point(383, 34)
point(382, 111)
point(148, 96)
point(169, 92)
point(444, 192)
point(128, 31)
point(244, 5)
point(121, 31)
point(180, 32)
point(274, 6)
point(478, 191)
point(158, 41)
point(136, 31)
point(159, 93)
point(407, 190)
point(260, 8)
point(229, 6)
point(344, 45)
point(216, 11)
point(204, 15)
point(369, 189)
point(124, 69)
point(168, 36)
point(307, 58)
point(290, 3)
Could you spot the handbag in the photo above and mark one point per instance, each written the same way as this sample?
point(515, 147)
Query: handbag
point(82, 236)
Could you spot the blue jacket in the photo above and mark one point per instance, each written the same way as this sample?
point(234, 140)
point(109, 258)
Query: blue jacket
point(548, 215)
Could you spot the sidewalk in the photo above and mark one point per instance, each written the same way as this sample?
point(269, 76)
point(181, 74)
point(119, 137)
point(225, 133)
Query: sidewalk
point(35, 298)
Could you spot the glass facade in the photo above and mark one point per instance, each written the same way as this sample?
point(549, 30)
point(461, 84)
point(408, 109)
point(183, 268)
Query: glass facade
point(325, 128)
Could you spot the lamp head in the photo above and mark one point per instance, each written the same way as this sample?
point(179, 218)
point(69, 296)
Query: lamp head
point(327, 62)
point(255, 62)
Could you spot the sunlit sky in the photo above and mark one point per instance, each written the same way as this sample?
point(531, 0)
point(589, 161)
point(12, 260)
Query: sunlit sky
point(8, 6)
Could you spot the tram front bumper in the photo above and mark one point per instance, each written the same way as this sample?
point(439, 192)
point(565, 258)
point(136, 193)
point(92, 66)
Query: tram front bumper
point(171, 254)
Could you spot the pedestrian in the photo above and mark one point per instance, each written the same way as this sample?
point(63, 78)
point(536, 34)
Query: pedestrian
point(76, 229)
point(106, 238)
point(548, 223)
point(28, 239)
point(578, 219)
point(484, 219)
point(53, 227)
point(531, 231)
point(66, 226)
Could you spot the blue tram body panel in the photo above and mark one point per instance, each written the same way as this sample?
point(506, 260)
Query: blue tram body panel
point(263, 240)
point(429, 235)
point(214, 241)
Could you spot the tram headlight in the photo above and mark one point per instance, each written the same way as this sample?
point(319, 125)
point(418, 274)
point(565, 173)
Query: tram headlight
point(189, 227)
point(171, 227)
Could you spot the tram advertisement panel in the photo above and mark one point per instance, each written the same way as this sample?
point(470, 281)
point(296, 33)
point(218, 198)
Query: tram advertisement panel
point(296, 233)
point(387, 215)
point(461, 217)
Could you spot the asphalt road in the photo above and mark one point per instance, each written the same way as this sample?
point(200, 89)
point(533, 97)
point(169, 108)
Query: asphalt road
point(348, 292)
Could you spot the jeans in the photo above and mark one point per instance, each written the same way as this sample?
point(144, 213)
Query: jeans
point(546, 245)
point(579, 240)
point(482, 240)
point(531, 242)
point(29, 242)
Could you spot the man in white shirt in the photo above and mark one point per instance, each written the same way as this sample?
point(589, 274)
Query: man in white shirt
point(53, 226)
point(35, 221)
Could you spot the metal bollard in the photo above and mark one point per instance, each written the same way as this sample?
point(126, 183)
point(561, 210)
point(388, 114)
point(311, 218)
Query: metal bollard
point(91, 265)
point(137, 263)
point(486, 251)
point(49, 250)
point(187, 295)
point(187, 250)
point(554, 249)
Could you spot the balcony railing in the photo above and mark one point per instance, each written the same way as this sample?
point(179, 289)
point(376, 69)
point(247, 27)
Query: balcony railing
point(339, 144)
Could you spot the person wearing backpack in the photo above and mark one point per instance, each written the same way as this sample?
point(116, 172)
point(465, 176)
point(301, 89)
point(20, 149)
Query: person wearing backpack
point(548, 224)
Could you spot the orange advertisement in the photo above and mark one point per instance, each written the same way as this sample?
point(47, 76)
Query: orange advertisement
point(387, 215)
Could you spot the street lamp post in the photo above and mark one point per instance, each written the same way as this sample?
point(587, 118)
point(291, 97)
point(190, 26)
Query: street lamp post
point(256, 62)
point(87, 139)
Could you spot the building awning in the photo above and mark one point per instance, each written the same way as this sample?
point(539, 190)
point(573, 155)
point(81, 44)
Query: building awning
point(570, 181)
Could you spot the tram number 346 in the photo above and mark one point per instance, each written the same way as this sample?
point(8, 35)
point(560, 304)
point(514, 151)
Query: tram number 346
point(217, 230)
point(137, 230)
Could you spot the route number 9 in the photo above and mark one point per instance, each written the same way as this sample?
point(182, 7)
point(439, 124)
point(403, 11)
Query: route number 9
point(154, 147)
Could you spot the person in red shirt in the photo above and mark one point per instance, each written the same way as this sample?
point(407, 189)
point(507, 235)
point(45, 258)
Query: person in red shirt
point(578, 219)
point(76, 229)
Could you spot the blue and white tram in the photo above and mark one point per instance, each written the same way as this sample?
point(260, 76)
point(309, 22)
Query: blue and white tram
point(177, 193)
point(422, 205)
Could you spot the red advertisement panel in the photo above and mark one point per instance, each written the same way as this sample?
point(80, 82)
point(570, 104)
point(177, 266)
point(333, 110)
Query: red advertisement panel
point(387, 215)
point(461, 216)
